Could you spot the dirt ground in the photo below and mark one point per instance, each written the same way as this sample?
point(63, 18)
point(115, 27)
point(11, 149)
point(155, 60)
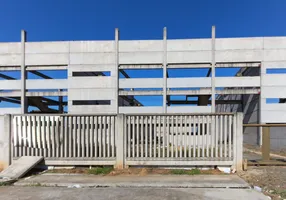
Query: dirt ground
point(248, 147)
point(131, 171)
point(272, 180)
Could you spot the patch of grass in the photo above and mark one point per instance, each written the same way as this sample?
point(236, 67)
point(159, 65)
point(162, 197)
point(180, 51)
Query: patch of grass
point(100, 170)
point(280, 192)
point(35, 185)
point(185, 172)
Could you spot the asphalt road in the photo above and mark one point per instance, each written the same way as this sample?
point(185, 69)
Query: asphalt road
point(52, 193)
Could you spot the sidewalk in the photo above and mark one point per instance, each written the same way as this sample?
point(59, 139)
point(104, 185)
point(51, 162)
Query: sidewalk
point(154, 181)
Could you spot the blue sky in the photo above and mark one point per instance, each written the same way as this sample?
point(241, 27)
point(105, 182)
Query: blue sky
point(49, 20)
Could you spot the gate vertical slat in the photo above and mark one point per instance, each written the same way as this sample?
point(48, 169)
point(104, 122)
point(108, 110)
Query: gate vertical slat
point(128, 136)
point(159, 136)
point(181, 136)
point(53, 136)
point(199, 138)
point(15, 136)
point(74, 138)
point(78, 136)
point(69, 131)
point(141, 136)
point(164, 135)
point(230, 136)
point(113, 136)
point(109, 136)
point(104, 136)
point(195, 136)
point(82, 125)
point(190, 136)
point(146, 136)
point(168, 136)
point(155, 136)
point(133, 137)
point(87, 139)
point(150, 136)
point(207, 136)
point(24, 127)
point(66, 136)
point(173, 141)
point(221, 136)
point(137, 136)
point(91, 136)
point(100, 136)
point(177, 136)
point(185, 136)
point(216, 136)
point(203, 136)
point(225, 135)
point(96, 136)
point(48, 135)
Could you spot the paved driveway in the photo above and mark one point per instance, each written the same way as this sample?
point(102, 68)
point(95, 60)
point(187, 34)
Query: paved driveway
point(52, 193)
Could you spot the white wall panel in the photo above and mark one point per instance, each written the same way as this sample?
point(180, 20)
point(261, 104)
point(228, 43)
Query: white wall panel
point(10, 47)
point(140, 109)
point(47, 59)
point(92, 58)
point(189, 45)
point(277, 64)
point(273, 116)
point(47, 84)
point(238, 43)
point(274, 80)
point(274, 42)
point(140, 45)
point(141, 58)
point(237, 81)
point(91, 46)
point(189, 109)
point(92, 109)
point(189, 57)
point(4, 111)
point(239, 56)
point(91, 82)
point(141, 83)
point(46, 47)
point(10, 84)
point(10, 59)
point(275, 55)
point(91, 94)
point(273, 92)
point(188, 82)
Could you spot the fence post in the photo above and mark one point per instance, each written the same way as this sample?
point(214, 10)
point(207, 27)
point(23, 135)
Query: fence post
point(120, 135)
point(239, 142)
point(5, 141)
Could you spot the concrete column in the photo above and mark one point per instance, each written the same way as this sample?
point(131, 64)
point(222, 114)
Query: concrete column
point(165, 70)
point(213, 69)
point(261, 100)
point(5, 141)
point(120, 138)
point(116, 75)
point(239, 142)
point(23, 74)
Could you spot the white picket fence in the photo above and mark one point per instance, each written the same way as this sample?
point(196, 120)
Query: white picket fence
point(161, 140)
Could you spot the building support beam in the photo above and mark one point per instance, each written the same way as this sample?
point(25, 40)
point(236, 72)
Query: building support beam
point(165, 70)
point(23, 74)
point(116, 49)
point(213, 70)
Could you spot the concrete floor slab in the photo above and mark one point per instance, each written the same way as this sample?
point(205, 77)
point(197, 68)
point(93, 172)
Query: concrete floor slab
point(47, 193)
point(154, 181)
point(20, 167)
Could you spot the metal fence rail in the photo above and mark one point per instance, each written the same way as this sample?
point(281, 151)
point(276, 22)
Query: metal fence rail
point(64, 136)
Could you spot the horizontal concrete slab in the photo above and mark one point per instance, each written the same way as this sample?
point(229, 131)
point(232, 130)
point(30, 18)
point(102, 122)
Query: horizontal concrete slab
point(20, 167)
point(159, 181)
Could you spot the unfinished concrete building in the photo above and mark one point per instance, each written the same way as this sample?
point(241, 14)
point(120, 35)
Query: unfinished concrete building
point(86, 77)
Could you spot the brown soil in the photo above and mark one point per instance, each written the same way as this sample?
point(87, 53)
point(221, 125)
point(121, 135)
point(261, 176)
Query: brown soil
point(272, 180)
point(133, 171)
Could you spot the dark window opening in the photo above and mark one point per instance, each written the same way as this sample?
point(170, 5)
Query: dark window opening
point(91, 102)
